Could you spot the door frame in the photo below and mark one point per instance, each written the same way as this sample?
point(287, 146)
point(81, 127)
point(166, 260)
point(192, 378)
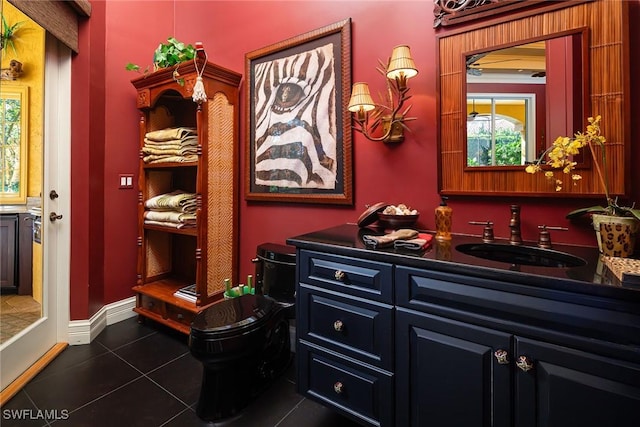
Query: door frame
point(26, 348)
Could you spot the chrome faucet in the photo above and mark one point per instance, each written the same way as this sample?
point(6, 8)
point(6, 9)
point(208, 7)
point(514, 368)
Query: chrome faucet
point(514, 225)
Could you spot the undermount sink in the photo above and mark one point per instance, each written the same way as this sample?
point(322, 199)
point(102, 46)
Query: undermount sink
point(521, 255)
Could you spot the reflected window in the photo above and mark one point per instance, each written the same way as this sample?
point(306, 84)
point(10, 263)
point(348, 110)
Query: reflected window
point(500, 129)
point(13, 143)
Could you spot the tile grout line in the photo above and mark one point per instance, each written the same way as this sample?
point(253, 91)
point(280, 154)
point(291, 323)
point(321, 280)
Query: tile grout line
point(108, 350)
point(174, 417)
point(142, 375)
point(145, 375)
point(290, 412)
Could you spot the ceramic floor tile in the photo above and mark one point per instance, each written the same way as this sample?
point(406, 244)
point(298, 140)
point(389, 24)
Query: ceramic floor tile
point(270, 407)
point(143, 375)
point(181, 377)
point(70, 357)
point(189, 418)
point(75, 386)
point(139, 403)
point(312, 414)
point(124, 332)
point(20, 412)
point(153, 351)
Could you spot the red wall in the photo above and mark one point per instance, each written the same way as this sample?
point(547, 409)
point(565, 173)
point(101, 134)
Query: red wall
point(104, 244)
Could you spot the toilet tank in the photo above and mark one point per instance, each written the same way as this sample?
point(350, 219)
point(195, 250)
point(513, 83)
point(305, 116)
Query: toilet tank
point(276, 271)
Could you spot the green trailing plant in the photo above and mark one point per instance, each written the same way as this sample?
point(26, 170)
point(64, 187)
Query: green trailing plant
point(168, 54)
point(8, 35)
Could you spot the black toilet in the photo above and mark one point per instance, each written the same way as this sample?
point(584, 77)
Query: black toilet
point(243, 343)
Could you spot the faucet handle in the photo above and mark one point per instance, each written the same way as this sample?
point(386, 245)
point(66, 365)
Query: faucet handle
point(487, 233)
point(544, 238)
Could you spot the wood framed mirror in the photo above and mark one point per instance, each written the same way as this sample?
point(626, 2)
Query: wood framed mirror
point(520, 95)
point(606, 52)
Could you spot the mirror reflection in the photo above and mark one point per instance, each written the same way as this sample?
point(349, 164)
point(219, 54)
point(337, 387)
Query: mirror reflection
point(519, 98)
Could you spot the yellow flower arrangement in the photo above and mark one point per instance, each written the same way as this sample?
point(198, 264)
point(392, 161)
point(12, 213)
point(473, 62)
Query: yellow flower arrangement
point(560, 156)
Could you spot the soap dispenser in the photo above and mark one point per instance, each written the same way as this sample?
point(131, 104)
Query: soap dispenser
point(443, 220)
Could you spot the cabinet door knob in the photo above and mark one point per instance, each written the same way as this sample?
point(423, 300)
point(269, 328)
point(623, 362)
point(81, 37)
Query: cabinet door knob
point(502, 356)
point(339, 275)
point(338, 325)
point(338, 387)
point(524, 363)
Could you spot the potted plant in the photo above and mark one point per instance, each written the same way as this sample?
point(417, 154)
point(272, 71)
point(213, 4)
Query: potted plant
point(8, 35)
point(168, 54)
point(560, 156)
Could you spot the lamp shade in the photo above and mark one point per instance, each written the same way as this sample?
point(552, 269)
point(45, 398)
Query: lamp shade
point(401, 63)
point(360, 98)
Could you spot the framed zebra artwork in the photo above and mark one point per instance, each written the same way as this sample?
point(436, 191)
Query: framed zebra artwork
point(298, 126)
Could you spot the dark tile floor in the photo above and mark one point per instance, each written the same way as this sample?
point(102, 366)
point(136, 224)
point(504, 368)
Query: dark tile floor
point(143, 375)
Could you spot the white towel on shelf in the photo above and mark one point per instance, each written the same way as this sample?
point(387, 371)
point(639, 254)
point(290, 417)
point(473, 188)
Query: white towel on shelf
point(170, 133)
point(177, 200)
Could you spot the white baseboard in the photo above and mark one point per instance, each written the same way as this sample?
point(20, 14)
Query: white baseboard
point(84, 331)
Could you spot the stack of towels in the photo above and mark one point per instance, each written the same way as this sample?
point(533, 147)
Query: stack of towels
point(176, 210)
point(171, 145)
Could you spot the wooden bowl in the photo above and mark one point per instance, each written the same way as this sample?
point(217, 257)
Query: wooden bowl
point(397, 221)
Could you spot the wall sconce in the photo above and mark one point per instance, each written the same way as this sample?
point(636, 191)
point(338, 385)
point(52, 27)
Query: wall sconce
point(368, 116)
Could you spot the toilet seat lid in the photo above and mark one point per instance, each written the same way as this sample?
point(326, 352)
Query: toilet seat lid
point(245, 312)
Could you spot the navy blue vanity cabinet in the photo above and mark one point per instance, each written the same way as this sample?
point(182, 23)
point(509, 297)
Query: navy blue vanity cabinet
point(402, 338)
point(568, 387)
point(447, 373)
point(489, 353)
point(344, 326)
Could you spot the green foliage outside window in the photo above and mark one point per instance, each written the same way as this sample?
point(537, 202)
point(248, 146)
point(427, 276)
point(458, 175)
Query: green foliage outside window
point(13, 143)
point(10, 148)
point(508, 147)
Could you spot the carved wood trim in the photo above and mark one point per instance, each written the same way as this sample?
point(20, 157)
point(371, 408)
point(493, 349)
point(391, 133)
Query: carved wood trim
point(453, 12)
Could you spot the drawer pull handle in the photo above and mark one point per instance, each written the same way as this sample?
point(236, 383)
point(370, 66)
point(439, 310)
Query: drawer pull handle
point(338, 325)
point(180, 316)
point(150, 304)
point(524, 363)
point(338, 387)
point(502, 356)
point(339, 275)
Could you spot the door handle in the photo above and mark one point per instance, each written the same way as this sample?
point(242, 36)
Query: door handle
point(53, 217)
point(53, 195)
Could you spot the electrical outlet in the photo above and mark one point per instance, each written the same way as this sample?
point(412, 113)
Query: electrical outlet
point(126, 181)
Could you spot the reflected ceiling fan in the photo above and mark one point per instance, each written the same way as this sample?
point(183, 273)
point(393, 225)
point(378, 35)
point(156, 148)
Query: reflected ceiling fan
point(472, 115)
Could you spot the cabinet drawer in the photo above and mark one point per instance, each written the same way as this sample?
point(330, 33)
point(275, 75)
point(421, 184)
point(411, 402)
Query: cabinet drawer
point(353, 327)
point(153, 305)
point(360, 392)
point(471, 298)
point(179, 315)
point(353, 276)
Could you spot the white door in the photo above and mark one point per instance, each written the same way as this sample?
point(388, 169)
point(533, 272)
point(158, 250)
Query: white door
point(25, 348)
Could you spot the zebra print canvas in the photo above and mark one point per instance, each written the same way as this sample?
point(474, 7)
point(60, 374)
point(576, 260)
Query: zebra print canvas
point(296, 119)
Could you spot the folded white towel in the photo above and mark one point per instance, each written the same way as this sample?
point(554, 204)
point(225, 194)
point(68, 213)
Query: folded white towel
point(154, 158)
point(170, 224)
point(170, 133)
point(170, 216)
point(176, 200)
point(187, 141)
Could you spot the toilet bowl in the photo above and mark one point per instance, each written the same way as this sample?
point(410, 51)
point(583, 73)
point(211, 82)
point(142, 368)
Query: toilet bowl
point(244, 343)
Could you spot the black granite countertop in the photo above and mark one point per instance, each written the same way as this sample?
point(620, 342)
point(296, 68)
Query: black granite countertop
point(594, 278)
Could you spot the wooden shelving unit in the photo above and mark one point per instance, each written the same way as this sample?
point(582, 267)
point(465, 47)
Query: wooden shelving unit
point(171, 258)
